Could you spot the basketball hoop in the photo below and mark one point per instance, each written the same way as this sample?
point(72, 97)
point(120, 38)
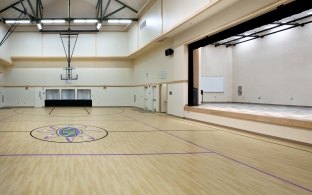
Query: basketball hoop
point(69, 38)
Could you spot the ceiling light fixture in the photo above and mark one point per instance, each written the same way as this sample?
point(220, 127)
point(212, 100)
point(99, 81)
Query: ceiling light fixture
point(17, 21)
point(39, 25)
point(83, 21)
point(98, 26)
point(119, 21)
point(52, 21)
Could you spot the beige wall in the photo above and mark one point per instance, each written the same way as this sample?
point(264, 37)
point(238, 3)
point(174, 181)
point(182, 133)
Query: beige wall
point(106, 44)
point(217, 62)
point(277, 69)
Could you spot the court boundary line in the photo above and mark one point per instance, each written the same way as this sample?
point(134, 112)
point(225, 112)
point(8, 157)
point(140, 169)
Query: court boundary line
point(107, 154)
point(51, 111)
point(14, 131)
point(234, 160)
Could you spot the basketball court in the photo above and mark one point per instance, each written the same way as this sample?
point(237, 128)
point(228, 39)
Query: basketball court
point(124, 151)
point(155, 97)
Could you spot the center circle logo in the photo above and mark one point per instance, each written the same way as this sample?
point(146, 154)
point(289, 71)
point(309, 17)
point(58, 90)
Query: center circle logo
point(69, 133)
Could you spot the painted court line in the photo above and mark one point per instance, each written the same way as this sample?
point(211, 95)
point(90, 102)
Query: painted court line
point(234, 160)
point(106, 154)
point(14, 131)
point(51, 111)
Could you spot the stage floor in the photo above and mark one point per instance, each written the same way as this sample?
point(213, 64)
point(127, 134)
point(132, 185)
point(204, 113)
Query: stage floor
point(292, 116)
point(289, 112)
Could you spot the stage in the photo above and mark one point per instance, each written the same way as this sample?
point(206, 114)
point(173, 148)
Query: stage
point(272, 120)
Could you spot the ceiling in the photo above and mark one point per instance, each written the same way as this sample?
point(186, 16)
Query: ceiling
point(101, 10)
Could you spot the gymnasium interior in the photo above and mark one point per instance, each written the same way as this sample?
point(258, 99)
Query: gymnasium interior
point(156, 97)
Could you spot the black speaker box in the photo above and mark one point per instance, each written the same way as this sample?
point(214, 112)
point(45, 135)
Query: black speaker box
point(168, 52)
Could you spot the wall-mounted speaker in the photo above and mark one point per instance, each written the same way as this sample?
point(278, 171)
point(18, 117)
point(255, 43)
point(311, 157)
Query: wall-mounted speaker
point(169, 52)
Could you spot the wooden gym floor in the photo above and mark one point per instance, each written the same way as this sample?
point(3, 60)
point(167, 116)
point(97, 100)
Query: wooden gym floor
point(127, 151)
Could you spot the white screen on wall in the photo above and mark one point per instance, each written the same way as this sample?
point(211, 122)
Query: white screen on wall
point(212, 84)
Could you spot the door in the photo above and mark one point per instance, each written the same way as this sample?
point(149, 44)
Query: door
point(154, 99)
point(1, 98)
point(39, 97)
point(163, 98)
point(146, 98)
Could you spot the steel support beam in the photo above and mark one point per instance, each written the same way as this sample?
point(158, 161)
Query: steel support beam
point(9, 32)
point(106, 7)
point(31, 7)
point(31, 17)
point(112, 13)
point(126, 6)
point(10, 6)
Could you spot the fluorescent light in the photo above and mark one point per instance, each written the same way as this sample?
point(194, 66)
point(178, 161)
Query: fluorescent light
point(39, 26)
point(83, 21)
point(52, 21)
point(17, 21)
point(120, 21)
point(98, 26)
point(270, 26)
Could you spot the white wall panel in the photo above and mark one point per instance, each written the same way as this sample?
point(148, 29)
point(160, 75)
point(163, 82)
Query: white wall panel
point(26, 44)
point(112, 44)
point(175, 12)
point(133, 38)
point(153, 27)
point(113, 96)
point(180, 66)
point(51, 76)
point(147, 67)
point(86, 45)
point(52, 45)
point(19, 97)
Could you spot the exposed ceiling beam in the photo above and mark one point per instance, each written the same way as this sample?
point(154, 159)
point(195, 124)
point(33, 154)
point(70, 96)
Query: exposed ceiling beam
point(31, 7)
point(112, 13)
point(39, 8)
point(126, 6)
point(23, 12)
point(105, 10)
point(98, 8)
point(10, 6)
